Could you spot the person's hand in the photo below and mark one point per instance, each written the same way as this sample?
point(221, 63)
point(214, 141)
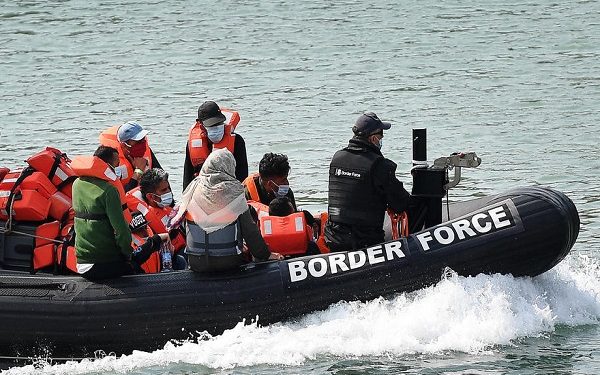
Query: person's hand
point(163, 236)
point(276, 256)
point(139, 163)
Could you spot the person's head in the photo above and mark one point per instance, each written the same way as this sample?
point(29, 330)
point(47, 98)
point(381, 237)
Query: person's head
point(281, 206)
point(132, 137)
point(108, 155)
point(155, 188)
point(370, 127)
point(138, 224)
point(274, 170)
point(213, 120)
point(219, 161)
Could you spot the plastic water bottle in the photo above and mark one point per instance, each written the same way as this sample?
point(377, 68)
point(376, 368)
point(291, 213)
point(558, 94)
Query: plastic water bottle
point(165, 255)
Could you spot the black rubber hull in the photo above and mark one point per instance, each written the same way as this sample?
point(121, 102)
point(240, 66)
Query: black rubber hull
point(530, 230)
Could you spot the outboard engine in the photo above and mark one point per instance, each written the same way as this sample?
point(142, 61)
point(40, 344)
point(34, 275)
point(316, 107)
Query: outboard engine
point(431, 183)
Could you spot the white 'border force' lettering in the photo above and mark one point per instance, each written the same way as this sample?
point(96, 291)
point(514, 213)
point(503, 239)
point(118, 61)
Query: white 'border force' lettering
point(463, 228)
point(478, 224)
point(344, 262)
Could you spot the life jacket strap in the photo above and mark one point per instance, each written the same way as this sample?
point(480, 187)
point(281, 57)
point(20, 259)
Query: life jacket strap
point(57, 159)
point(66, 182)
point(219, 246)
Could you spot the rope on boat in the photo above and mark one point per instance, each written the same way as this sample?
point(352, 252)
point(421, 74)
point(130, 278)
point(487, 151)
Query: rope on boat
point(5, 231)
point(8, 228)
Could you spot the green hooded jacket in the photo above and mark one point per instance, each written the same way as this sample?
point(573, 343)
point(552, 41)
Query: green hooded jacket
point(106, 239)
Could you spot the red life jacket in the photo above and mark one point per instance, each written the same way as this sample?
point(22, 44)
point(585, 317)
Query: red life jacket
point(399, 224)
point(49, 253)
point(109, 138)
point(262, 210)
point(44, 252)
point(32, 197)
point(152, 265)
point(157, 217)
point(323, 248)
point(93, 166)
point(287, 235)
point(56, 166)
point(254, 201)
point(198, 142)
point(40, 192)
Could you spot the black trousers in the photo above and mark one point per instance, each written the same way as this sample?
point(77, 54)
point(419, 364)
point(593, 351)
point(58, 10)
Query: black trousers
point(100, 271)
point(202, 263)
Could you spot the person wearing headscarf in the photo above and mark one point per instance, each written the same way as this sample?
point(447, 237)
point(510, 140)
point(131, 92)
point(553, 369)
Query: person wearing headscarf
point(218, 218)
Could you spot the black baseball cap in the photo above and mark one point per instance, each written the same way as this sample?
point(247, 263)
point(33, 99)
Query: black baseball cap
point(368, 123)
point(210, 114)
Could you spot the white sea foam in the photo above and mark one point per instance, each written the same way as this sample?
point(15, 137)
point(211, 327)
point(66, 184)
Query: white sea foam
point(470, 315)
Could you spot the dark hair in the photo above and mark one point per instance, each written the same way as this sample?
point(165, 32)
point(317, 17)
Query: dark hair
point(150, 179)
point(281, 206)
point(106, 153)
point(273, 165)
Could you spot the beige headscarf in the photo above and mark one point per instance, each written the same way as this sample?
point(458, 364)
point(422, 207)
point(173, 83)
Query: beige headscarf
point(215, 198)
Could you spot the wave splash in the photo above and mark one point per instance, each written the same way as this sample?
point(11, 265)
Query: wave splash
point(466, 314)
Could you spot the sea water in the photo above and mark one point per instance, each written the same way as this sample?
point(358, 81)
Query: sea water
point(517, 82)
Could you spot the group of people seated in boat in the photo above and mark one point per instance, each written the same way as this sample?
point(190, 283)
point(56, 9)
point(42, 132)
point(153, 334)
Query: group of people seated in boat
point(125, 211)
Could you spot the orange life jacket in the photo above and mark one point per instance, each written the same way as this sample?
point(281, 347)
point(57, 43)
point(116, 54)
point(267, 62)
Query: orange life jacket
point(40, 192)
point(287, 235)
point(53, 255)
point(109, 138)
point(321, 236)
point(93, 166)
point(49, 253)
point(198, 142)
point(157, 217)
point(32, 197)
point(261, 209)
point(399, 224)
point(152, 265)
point(250, 184)
point(56, 166)
point(44, 252)
point(399, 228)
point(3, 172)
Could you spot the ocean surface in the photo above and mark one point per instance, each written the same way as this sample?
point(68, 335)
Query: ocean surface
point(518, 82)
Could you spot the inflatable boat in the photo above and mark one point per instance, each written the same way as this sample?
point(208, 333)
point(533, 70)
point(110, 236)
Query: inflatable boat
point(523, 232)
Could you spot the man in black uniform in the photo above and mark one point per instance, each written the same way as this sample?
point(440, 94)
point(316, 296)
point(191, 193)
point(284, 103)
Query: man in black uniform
point(362, 185)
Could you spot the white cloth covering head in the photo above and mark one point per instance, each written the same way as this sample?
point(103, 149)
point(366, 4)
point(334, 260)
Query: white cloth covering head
point(215, 198)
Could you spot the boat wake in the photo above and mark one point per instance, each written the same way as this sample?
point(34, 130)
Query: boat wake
point(473, 315)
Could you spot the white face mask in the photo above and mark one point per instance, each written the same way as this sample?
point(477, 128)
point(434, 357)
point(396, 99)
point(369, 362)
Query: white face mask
point(215, 133)
point(166, 199)
point(121, 172)
point(282, 190)
point(379, 143)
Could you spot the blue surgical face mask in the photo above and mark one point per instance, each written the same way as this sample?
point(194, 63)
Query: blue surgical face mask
point(166, 199)
point(215, 133)
point(282, 190)
point(379, 143)
point(121, 171)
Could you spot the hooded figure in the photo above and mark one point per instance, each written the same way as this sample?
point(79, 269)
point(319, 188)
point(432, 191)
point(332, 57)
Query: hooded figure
point(218, 219)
